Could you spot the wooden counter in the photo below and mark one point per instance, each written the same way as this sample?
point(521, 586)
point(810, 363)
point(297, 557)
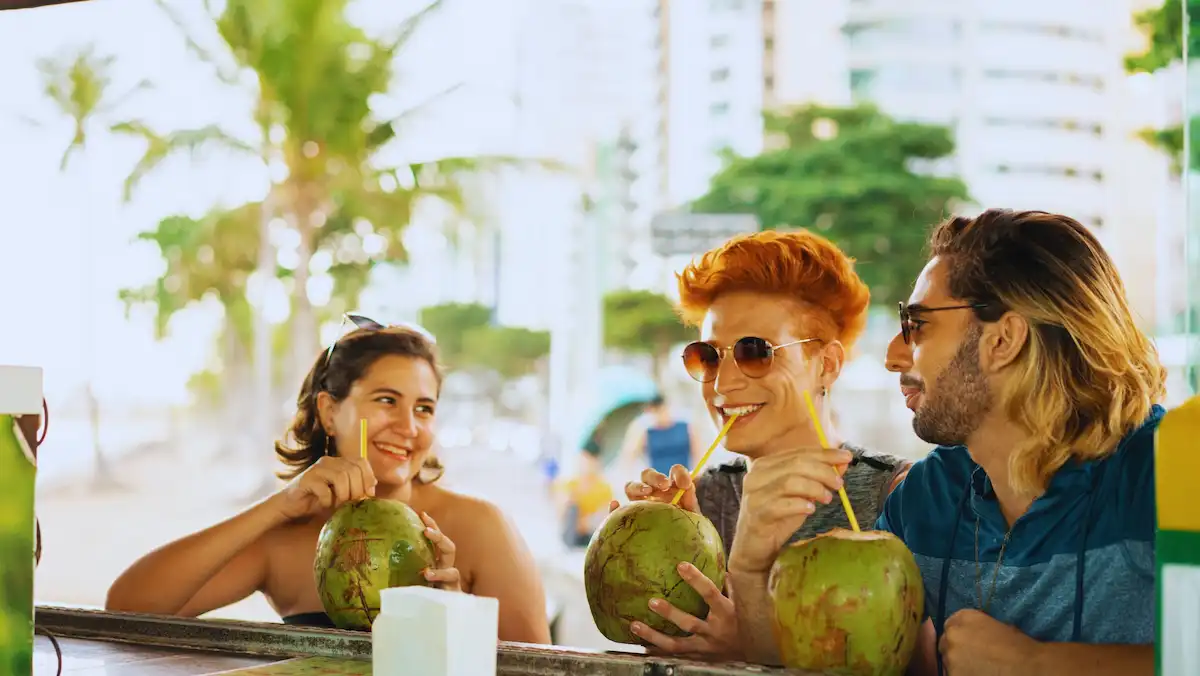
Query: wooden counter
point(98, 643)
point(84, 657)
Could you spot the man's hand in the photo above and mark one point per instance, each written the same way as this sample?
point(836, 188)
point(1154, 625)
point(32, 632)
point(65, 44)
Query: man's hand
point(974, 644)
point(778, 495)
point(715, 637)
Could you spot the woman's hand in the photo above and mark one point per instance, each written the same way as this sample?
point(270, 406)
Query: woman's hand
point(655, 486)
point(330, 482)
point(444, 575)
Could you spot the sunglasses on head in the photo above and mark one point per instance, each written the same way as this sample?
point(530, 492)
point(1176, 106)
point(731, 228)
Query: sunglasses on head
point(753, 357)
point(368, 324)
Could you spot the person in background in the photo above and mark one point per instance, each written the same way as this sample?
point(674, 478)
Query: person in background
point(660, 439)
point(585, 497)
point(390, 377)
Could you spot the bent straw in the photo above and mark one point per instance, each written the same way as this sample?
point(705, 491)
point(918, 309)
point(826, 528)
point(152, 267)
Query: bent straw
point(812, 413)
point(362, 438)
point(704, 458)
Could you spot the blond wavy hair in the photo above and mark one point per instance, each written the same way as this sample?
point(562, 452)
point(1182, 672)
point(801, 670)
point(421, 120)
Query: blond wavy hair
point(1087, 375)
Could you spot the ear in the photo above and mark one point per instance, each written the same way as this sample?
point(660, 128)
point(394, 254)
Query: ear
point(326, 409)
point(833, 357)
point(1002, 341)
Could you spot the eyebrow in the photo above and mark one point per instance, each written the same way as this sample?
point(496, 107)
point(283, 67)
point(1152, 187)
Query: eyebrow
point(399, 395)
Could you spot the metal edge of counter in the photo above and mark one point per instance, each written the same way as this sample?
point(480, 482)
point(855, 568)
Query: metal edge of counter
point(279, 640)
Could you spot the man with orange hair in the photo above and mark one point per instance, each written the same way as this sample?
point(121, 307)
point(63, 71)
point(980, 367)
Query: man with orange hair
point(777, 314)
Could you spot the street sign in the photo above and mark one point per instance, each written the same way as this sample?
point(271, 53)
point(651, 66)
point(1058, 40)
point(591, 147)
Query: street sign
point(675, 233)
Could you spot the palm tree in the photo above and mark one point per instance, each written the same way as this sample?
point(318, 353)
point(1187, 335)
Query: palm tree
point(80, 85)
point(315, 74)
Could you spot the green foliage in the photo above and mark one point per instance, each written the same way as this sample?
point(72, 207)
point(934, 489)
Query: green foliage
point(853, 175)
point(510, 351)
point(1164, 31)
point(450, 323)
point(642, 322)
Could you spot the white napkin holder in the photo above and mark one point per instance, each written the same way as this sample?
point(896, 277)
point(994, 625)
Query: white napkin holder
point(422, 631)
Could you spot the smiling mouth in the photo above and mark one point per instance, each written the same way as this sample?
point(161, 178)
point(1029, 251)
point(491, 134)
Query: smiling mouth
point(743, 412)
point(392, 451)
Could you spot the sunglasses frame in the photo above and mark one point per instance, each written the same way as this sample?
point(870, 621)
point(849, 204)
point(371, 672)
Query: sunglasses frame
point(906, 315)
point(722, 351)
point(365, 322)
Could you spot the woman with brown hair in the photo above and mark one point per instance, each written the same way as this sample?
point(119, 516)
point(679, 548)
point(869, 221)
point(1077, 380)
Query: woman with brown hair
point(390, 377)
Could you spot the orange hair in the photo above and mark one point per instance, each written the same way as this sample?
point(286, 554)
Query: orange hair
point(799, 264)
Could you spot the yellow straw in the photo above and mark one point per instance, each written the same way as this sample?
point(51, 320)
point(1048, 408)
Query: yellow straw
point(362, 438)
point(704, 458)
point(812, 413)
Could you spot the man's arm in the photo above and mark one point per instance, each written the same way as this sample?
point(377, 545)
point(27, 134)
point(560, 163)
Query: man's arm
point(1093, 660)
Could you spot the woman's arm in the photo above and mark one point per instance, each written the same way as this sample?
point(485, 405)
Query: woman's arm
point(213, 568)
point(505, 570)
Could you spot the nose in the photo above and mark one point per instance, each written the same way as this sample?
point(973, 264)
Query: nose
point(729, 377)
point(403, 422)
point(899, 355)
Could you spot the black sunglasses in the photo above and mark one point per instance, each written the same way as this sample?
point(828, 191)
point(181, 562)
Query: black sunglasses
point(753, 357)
point(908, 323)
point(363, 322)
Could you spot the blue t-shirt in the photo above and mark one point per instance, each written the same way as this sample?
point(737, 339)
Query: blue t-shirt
point(1079, 565)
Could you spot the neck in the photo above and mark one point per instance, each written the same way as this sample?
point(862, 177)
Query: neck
point(991, 447)
point(401, 493)
point(803, 437)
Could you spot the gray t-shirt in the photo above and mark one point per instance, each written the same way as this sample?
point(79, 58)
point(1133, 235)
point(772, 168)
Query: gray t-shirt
point(868, 480)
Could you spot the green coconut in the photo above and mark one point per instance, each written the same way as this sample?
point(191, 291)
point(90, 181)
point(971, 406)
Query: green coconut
point(367, 546)
point(847, 603)
point(632, 558)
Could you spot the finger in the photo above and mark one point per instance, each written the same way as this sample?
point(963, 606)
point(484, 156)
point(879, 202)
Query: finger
point(445, 578)
point(809, 488)
point(366, 476)
point(697, 580)
point(782, 509)
point(681, 477)
point(689, 623)
point(613, 506)
point(338, 480)
point(354, 480)
point(445, 546)
point(668, 644)
point(655, 480)
point(321, 490)
point(636, 490)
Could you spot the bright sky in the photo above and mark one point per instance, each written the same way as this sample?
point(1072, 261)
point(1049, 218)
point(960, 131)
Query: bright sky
point(65, 238)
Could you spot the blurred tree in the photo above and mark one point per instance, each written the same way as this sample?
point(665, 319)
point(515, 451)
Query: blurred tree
point(643, 322)
point(80, 84)
point(510, 351)
point(450, 323)
point(854, 175)
point(1164, 30)
point(315, 76)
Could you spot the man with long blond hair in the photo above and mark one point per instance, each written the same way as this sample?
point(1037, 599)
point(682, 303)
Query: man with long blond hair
point(1033, 519)
point(777, 313)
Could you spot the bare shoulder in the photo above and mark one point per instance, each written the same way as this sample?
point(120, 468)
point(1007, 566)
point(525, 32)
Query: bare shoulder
point(468, 514)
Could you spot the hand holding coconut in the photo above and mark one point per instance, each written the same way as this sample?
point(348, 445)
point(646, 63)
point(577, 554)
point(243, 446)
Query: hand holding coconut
point(443, 575)
point(661, 488)
point(331, 482)
point(779, 494)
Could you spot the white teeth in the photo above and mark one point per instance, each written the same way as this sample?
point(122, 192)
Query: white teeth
point(740, 410)
point(394, 450)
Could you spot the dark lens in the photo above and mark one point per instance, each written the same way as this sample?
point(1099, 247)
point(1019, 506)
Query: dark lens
point(701, 361)
point(903, 321)
point(753, 356)
point(364, 322)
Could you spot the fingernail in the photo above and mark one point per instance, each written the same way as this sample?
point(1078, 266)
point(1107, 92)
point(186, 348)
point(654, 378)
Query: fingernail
point(636, 627)
point(828, 498)
point(810, 507)
point(428, 574)
point(656, 604)
point(683, 568)
point(429, 531)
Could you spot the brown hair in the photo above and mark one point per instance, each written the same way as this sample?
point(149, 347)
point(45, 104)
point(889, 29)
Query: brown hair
point(335, 373)
point(1087, 375)
point(800, 265)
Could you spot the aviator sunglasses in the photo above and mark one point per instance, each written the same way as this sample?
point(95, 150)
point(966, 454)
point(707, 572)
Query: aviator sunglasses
point(909, 315)
point(753, 357)
point(362, 322)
